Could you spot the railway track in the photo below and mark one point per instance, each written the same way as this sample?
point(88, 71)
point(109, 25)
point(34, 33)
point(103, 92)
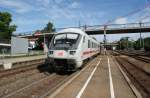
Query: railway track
point(21, 67)
point(135, 55)
point(142, 58)
point(37, 87)
point(140, 79)
point(16, 78)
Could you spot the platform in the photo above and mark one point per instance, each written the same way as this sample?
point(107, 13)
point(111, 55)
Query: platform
point(102, 79)
point(20, 59)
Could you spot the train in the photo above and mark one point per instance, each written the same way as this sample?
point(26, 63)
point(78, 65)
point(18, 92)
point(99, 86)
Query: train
point(70, 47)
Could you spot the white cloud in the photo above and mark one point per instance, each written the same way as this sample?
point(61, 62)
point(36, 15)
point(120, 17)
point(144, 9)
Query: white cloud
point(20, 7)
point(44, 3)
point(26, 25)
point(60, 11)
point(74, 5)
point(146, 19)
point(52, 8)
point(145, 16)
point(25, 21)
point(142, 15)
point(121, 21)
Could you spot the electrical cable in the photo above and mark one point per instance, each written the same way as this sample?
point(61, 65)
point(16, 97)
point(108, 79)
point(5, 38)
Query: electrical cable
point(128, 14)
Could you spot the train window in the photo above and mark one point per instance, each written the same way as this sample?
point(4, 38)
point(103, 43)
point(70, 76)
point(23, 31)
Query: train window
point(64, 39)
point(83, 39)
point(88, 44)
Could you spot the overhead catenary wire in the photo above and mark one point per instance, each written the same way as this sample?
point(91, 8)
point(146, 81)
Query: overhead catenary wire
point(128, 14)
point(112, 20)
point(145, 17)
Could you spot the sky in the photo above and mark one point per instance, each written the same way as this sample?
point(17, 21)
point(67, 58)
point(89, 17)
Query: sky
point(31, 15)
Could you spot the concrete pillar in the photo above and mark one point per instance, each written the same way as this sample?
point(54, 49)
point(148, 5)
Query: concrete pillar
point(105, 40)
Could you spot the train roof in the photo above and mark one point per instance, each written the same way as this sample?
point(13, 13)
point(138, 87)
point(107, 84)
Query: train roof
point(72, 30)
point(75, 30)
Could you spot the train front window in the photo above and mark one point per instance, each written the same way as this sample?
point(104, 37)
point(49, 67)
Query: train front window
point(65, 40)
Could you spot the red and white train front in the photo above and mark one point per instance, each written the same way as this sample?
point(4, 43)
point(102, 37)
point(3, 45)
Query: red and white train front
point(63, 50)
point(67, 49)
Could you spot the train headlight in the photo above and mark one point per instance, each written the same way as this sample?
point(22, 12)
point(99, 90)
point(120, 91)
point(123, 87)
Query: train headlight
point(50, 52)
point(72, 52)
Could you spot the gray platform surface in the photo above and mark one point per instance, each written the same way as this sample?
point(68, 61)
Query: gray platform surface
point(20, 59)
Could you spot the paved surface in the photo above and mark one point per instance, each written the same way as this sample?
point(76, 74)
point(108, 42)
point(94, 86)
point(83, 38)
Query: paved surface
point(19, 59)
point(102, 79)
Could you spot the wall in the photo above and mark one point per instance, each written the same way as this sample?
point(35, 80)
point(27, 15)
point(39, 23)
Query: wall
point(19, 45)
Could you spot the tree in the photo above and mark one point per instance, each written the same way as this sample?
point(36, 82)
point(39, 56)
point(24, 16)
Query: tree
point(49, 28)
point(137, 45)
point(5, 28)
point(125, 43)
point(147, 44)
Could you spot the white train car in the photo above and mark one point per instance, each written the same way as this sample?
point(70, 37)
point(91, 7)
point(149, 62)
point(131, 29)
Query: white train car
point(70, 47)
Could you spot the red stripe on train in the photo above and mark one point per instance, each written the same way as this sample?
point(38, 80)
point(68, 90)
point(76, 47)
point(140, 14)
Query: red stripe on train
point(88, 52)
